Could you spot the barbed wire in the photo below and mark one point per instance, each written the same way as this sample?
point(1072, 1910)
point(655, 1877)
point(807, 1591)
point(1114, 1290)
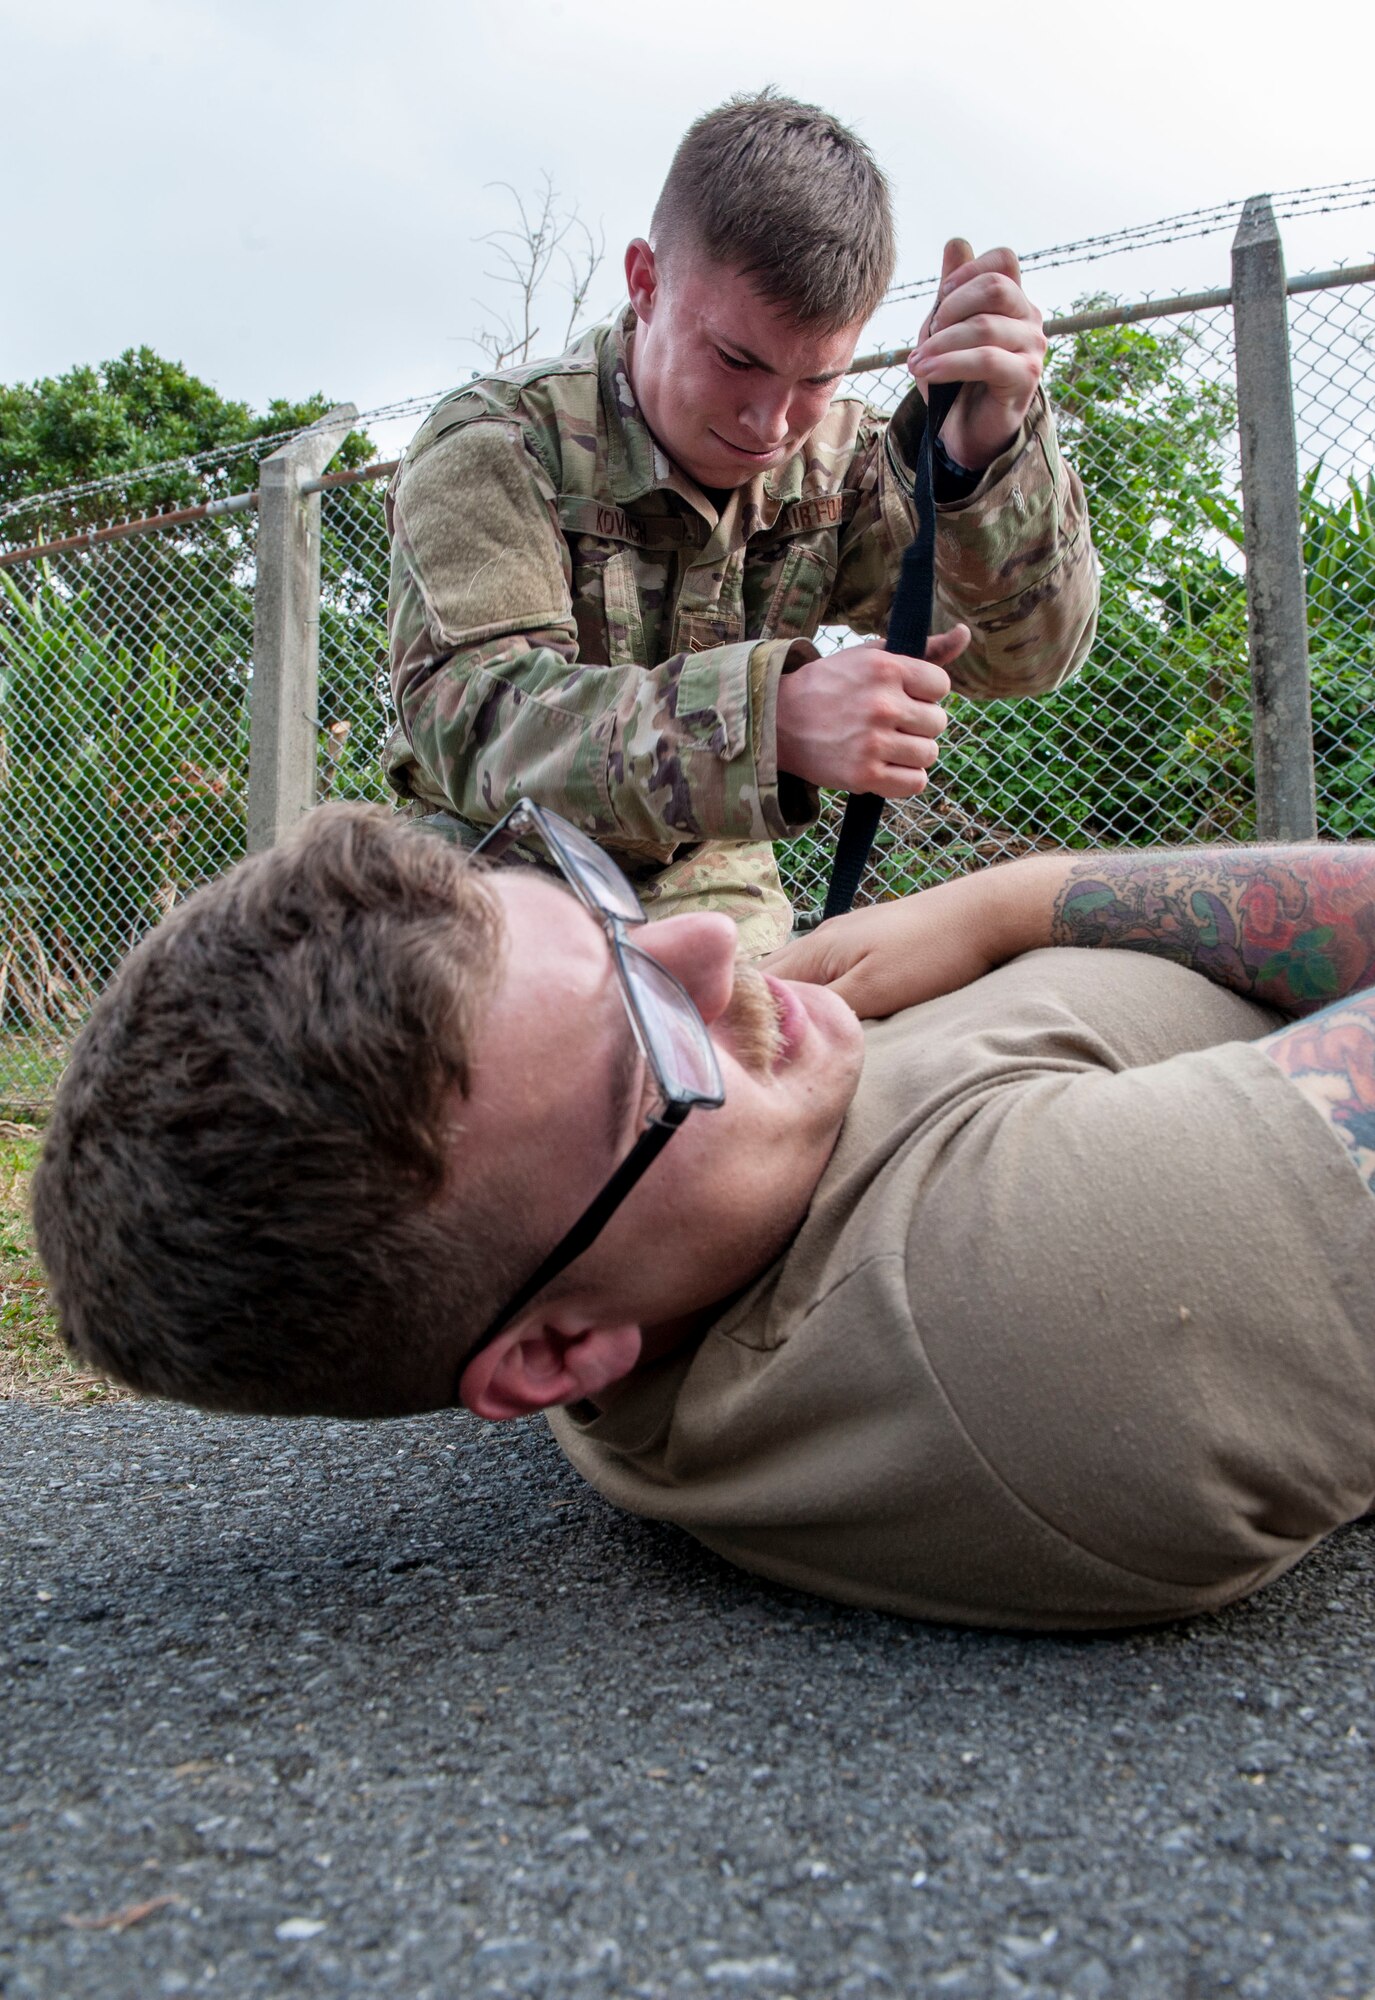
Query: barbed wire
point(1194, 222)
point(107, 482)
point(254, 447)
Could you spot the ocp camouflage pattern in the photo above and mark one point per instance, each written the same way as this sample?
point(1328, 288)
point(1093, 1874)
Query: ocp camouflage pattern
point(571, 618)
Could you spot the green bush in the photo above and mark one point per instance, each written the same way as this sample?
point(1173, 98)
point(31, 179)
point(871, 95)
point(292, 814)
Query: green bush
point(1339, 558)
point(354, 702)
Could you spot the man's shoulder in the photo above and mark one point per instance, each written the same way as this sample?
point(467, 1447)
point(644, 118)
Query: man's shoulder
point(1055, 1008)
point(850, 423)
point(535, 385)
point(538, 395)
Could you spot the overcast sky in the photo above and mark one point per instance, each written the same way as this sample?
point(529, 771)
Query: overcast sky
point(284, 195)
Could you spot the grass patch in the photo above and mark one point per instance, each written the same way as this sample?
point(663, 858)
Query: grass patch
point(30, 1064)
point(33, 1363)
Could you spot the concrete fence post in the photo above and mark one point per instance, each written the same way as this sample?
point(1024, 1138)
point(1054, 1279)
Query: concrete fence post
point(1276, 607)
point(283, 726)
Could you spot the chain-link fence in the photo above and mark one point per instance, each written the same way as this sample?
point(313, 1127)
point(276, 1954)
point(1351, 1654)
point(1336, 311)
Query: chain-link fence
point(126, 661)
point(124, 671)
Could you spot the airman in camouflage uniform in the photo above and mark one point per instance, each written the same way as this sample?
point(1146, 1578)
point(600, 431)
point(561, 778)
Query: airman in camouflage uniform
point(574, 617)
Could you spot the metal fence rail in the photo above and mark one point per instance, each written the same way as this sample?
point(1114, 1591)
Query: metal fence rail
point(131, 769)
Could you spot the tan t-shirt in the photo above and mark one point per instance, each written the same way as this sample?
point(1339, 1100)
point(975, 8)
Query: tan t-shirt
point(1079, 1329)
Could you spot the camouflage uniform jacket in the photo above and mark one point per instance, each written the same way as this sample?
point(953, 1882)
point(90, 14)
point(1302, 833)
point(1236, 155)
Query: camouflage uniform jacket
point(570, 616)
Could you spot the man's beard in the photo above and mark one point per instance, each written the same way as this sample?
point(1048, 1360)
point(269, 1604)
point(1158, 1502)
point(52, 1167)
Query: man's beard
point(752, 1021)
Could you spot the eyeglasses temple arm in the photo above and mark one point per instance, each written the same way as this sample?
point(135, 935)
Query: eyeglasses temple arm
point(591, 1222)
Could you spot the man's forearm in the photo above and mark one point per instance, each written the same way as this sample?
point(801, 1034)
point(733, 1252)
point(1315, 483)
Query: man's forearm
point(1291, 927)
point(646, 758)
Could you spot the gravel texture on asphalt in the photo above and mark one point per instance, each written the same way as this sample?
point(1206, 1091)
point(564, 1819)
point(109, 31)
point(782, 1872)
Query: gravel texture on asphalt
point(314, 1708)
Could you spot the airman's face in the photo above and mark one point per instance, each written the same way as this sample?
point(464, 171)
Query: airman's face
point(729, 386)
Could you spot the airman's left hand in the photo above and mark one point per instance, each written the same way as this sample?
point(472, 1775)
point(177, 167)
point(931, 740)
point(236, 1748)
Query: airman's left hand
point(985, 333)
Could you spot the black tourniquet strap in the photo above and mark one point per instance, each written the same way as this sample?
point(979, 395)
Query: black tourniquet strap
point(909, 628)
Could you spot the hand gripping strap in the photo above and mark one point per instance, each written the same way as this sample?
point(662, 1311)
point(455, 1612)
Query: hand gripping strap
point(909, 628)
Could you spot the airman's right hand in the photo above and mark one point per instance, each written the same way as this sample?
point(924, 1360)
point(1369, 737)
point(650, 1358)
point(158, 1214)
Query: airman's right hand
point(866, 720)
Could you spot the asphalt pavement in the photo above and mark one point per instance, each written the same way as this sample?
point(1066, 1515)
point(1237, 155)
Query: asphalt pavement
point(404, 1709)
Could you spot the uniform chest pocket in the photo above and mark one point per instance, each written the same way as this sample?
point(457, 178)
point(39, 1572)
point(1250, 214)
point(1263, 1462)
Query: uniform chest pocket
point(625, 625)
point(799, 595)
point(607, 606)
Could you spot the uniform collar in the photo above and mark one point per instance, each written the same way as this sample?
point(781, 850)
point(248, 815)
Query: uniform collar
point(635, 464)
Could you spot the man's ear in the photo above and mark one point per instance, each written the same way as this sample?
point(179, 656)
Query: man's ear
point(641, 278)
point(555, 1356)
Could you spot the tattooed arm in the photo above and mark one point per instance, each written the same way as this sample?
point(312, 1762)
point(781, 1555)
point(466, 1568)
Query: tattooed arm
point(1293, 927)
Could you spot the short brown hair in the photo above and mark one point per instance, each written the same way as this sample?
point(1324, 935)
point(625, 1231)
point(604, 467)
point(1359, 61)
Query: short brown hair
point(239, 1201)
point(787, 195)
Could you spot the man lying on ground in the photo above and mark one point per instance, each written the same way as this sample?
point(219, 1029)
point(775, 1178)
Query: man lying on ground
point(1045, 1299)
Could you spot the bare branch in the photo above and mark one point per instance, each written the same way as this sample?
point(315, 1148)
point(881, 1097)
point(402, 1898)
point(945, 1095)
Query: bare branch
point(582, 268)
point(524, 255)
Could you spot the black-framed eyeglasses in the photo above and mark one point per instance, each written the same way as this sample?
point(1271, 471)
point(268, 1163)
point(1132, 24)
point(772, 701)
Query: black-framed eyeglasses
point(669, 1032)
